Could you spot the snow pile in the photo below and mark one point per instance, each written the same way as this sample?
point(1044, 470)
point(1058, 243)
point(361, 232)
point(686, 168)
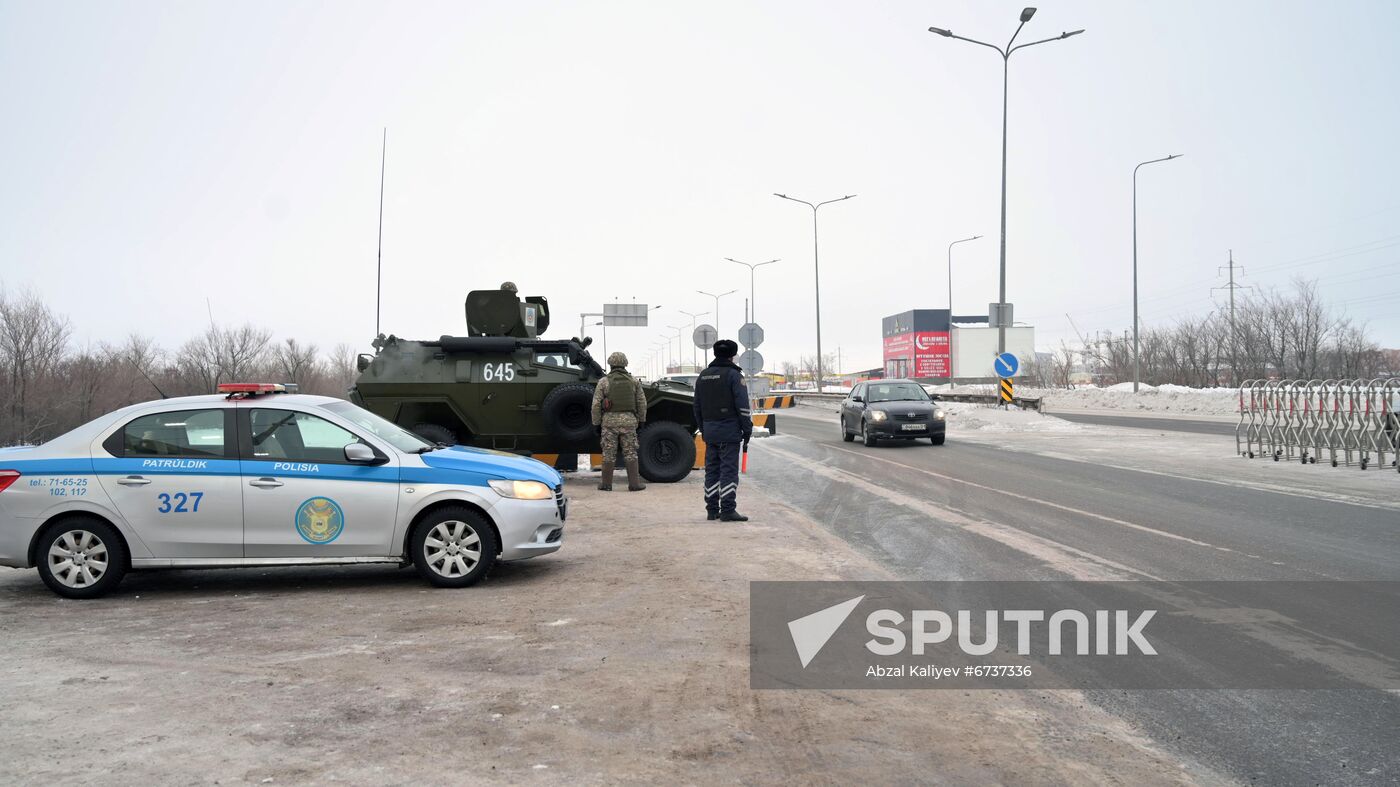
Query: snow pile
point(975, 417)
point(1159, 399)
point(1149, 399)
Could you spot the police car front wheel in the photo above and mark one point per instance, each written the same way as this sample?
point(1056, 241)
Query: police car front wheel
point(81, 557)
point(453, 547)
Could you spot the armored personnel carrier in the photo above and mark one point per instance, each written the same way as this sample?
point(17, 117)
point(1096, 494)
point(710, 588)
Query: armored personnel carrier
point(503, 387)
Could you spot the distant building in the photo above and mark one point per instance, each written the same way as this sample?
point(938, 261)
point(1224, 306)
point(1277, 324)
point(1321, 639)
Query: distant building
point(934, 345)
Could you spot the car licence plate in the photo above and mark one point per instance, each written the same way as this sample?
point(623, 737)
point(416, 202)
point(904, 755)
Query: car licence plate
point(913, 427)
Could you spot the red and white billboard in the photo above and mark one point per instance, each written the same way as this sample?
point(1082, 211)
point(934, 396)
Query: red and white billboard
point(919, 354)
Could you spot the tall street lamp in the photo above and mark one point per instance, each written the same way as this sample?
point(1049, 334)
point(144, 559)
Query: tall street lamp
point(679, 329)
point(1005, 53)
point(1135, 287)
point(693, 317)
point(816, 272)
point(753, 298)
point(717, 297)
point(952, 381)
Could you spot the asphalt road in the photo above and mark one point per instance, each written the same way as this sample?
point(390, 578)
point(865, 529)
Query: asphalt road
point(1148, 422)
point(964, 511)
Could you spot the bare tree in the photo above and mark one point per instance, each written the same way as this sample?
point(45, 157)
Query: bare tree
point(298, 363)
point(32, 343)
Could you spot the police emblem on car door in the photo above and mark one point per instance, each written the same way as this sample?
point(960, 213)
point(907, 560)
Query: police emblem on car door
point(303, 497)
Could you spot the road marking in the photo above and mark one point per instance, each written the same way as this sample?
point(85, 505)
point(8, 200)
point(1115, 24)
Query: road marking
point(1069, 509)
point(1074, 562)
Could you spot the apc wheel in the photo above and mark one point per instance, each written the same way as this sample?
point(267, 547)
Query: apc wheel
point(435, 433)
point(568, 415)
point(938, 439)
point(665, 452)
point(845, 435)
point(866, 436)
point(453, 547)
point(81, 557)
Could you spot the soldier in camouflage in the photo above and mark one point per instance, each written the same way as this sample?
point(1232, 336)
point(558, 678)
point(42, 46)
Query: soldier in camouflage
point(619, 406)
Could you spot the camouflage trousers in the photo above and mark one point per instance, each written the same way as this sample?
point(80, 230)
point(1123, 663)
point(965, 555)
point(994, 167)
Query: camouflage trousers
point(620, 428)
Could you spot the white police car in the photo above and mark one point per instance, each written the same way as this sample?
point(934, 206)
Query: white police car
point(255, 476)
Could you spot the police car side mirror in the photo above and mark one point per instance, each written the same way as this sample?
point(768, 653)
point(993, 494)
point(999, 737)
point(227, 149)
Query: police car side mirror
point(360, 454)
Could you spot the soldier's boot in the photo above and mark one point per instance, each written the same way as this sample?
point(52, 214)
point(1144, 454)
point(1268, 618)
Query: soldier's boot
point(634, 477)
point(606, 483)
point(732, 516)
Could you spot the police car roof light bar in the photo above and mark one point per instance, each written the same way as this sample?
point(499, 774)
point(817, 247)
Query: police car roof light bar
point(254, 389)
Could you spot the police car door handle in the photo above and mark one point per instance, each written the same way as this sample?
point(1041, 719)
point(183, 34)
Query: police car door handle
point(265, 483)
point(133, 480)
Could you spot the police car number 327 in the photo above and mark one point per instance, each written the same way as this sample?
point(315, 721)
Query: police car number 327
point(255, 476)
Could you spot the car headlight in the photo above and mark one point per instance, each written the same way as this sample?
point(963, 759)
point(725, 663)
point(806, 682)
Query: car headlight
point(939, 415)
point(878, 415)
point(521, 490)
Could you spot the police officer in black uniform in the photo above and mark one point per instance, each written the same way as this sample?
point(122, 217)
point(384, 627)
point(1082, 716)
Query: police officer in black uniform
point(722, 410)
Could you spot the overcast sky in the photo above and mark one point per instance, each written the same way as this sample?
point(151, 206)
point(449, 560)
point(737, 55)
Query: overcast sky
point(165, 159)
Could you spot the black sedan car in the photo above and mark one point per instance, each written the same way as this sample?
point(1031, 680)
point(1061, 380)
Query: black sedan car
point(891, 410)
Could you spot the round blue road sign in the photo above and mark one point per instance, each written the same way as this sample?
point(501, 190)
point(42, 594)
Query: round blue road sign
point(1006, 365)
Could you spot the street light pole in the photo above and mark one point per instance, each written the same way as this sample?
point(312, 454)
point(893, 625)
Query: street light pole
point(816, 272)
point(1005, 53)
point(753, 297)
point(717, 297)
point(952, 381)
point(679, 329)
point(1136, 370)
point(693, 317)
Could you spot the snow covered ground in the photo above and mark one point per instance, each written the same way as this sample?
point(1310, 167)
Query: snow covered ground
point(1150, 399)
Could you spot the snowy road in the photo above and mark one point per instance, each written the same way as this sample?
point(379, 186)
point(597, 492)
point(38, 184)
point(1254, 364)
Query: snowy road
point(971, 510)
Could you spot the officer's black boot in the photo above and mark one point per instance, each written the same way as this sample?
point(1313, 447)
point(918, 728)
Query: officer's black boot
point(732, 516)
point(606, 483)
point(634, 477)
point(711, 515)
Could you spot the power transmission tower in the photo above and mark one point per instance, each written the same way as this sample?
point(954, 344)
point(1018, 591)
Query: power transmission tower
point(1234, 335)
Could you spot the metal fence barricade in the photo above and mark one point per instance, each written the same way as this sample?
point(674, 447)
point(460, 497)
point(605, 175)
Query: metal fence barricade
point(1344, 421)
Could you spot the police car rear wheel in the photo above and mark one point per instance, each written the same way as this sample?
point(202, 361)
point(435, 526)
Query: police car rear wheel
point(81, 558)
point(454, 547)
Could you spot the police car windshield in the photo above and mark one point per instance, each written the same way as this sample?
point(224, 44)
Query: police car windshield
point(389, 432)
point(897, 392)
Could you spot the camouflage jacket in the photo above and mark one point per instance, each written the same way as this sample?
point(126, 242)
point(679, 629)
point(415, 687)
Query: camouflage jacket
point(600, 392)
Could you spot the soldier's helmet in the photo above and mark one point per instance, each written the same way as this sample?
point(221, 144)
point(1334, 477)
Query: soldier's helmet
point(617, 361)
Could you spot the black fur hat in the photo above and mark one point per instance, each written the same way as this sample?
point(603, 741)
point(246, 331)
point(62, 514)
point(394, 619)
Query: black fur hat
point(726, 348)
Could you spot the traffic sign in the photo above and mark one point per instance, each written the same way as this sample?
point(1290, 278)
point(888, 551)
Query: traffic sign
point(1008, 391)
point(1006, 365)
point(705, 336)
point(751, 335)
point(751, 362)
